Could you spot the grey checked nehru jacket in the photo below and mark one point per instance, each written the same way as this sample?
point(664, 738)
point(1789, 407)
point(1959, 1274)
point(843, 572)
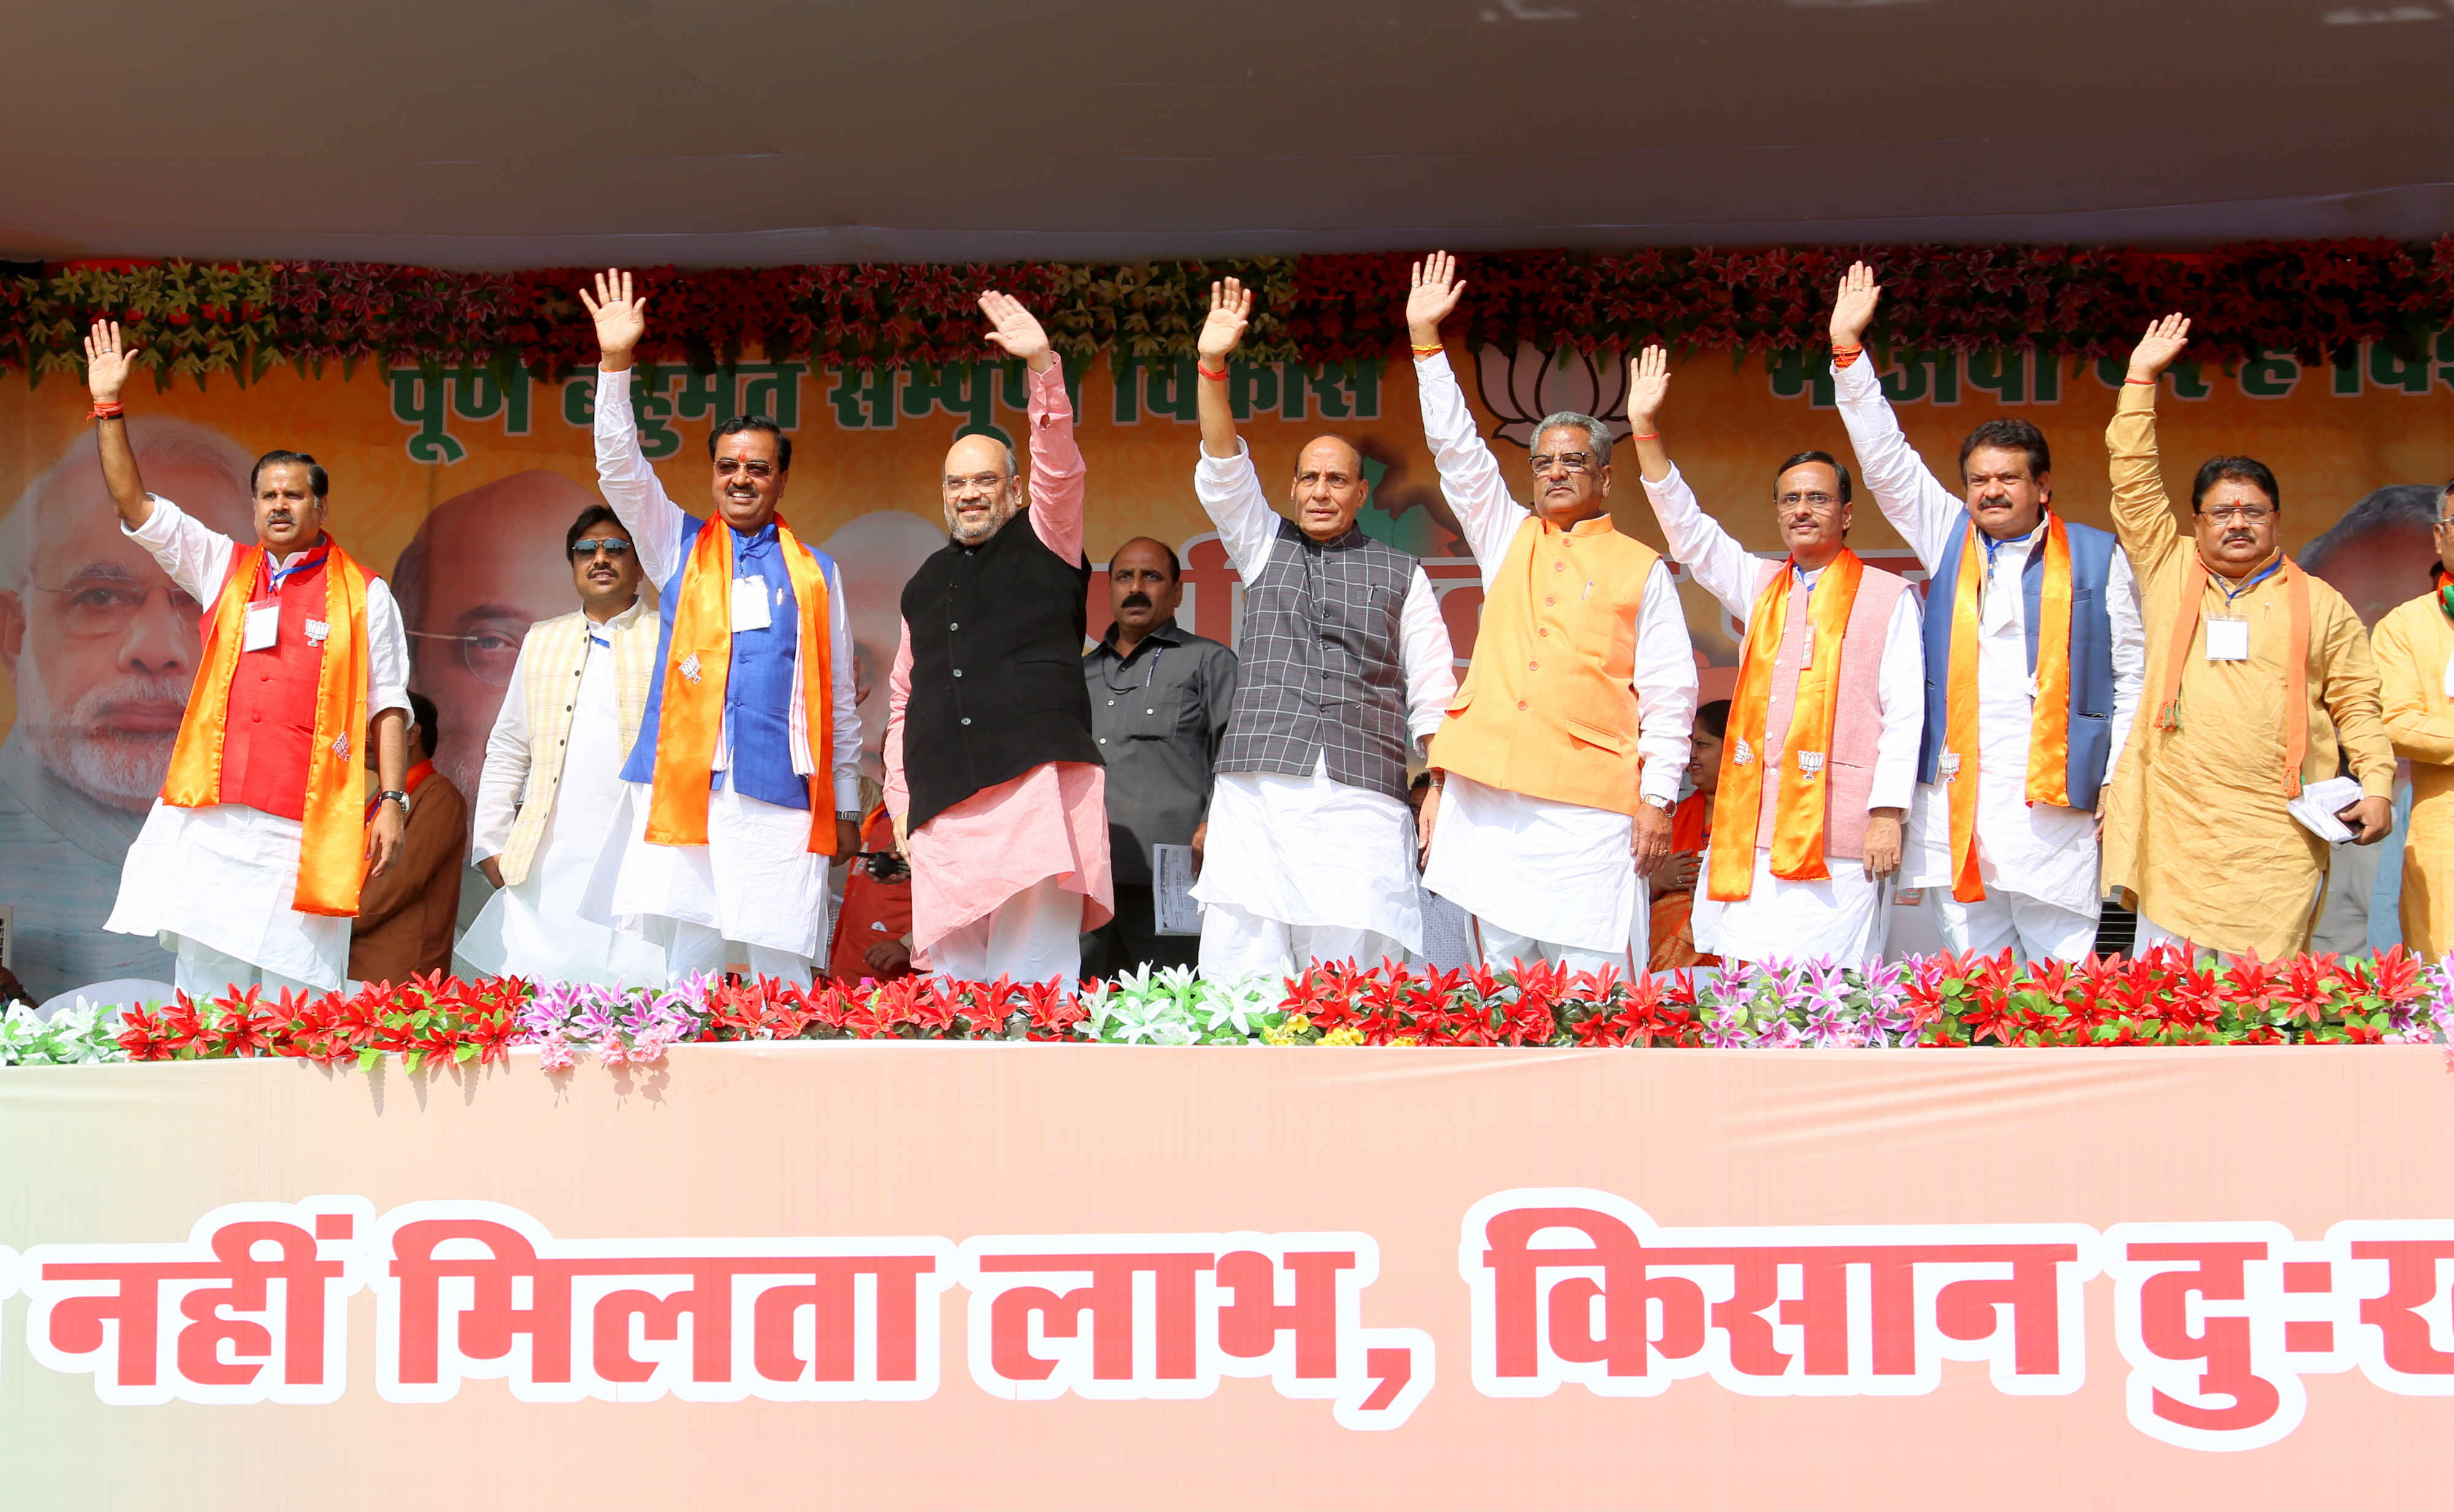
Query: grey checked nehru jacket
point(1319, 663)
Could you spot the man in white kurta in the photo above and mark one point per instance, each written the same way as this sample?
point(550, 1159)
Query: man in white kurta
point(2038, 860)
point(561, 797)
point(1543, 878)
point(216, 884)
point(756, 883)
point(1344, 666)
point(1839, 916)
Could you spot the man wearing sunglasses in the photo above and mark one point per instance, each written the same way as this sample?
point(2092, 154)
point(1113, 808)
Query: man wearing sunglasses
point(745, 779)
point(2259, 682)
point(552, 782)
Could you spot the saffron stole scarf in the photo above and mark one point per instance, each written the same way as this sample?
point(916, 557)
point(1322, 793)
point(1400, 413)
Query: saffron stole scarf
point(696, 672)
point(1798, 828)
point(2194, 579)
point(2049, 723)
point(332, 837)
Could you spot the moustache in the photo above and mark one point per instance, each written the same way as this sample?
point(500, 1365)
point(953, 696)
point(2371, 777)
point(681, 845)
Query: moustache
point(1137, 601)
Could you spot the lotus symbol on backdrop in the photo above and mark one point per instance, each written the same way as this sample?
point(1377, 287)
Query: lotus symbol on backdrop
point(1522, 386)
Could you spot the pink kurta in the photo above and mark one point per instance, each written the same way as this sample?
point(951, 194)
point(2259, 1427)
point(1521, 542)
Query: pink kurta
point(1052, 820)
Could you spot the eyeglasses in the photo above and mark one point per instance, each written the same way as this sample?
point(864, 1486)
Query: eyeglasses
point(1571, 463)
point(726, 467)
point(1819, 503)
point(98, 607)
point(491, 649)
point(611, 546)
point(2239, 513)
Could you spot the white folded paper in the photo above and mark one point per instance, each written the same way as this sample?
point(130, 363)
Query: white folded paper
point(2315, 808)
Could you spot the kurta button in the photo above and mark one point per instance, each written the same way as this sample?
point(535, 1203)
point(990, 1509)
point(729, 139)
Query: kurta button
point(1520, 706)
point(256, 719)
point(954, 624)
point(1112, 704)
point(1559, 567)
point(1103, 739)
point(1548, 601)
point(967, 720)
point(1533, 666)
point(1150, 711)
point(1546, 629)
point(958, 672)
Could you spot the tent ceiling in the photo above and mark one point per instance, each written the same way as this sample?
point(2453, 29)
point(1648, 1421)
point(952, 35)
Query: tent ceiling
point(560, 131)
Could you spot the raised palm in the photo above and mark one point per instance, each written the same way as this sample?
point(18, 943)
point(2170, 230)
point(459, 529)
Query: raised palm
point(2165, 340)
point(1230, 311)
point(107, 364)
point(1648, 386)
point(622, 319)
point(1432, 297)
point(1853, 308)
point(1013, 327)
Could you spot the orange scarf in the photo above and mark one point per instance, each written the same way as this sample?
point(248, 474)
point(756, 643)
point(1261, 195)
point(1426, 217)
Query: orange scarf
point(695, 678)
point(332, 840)
point(1798, 831)
point(2048, 726)
point(2296, 661)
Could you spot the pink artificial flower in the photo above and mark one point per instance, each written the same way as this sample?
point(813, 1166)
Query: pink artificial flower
point(649, 1047)
point(553, 1053)
point(613, 1051)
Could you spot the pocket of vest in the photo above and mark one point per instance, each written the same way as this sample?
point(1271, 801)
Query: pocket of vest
point(1610, 740)
point(1464, 696)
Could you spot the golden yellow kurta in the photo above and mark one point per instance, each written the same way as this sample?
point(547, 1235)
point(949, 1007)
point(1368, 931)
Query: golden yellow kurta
point(2415, 659)
point(2196, 832)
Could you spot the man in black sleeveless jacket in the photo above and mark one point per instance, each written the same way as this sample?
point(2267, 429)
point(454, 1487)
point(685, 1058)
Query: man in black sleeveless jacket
point(995, 784)
point(1343, 668)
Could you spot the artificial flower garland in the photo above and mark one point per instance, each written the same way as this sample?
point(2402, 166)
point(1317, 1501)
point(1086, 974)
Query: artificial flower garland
point(2160, 999)
point(199, 319)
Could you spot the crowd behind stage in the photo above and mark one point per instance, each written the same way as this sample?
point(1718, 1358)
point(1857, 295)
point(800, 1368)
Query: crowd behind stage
point(2174, 714)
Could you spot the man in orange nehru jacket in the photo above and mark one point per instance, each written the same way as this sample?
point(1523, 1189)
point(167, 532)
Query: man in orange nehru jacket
point(1820, 757)
point(1560, 760)
point(250, 865)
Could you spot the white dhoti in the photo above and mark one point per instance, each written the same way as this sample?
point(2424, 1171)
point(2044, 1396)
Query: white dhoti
point(1300, 869)
point(1840, 919)
point(755, 882)
point(1542, 878)
point(537, 929)
point(224, 877)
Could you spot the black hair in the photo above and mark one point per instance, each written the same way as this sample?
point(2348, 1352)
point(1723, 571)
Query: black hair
point(1174, 568)
point(1824, 457)
point(1713, 718)
point(421, 714)
point(316, 479)
point(593, 515)
point(2010, 433)
point(734, 425)
point(2248, 470)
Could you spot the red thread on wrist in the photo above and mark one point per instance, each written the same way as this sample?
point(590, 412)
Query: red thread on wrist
point(2143, 382)
point(1842, 356)
point(1649, 436)
point(1214, 375)
point(108, 411)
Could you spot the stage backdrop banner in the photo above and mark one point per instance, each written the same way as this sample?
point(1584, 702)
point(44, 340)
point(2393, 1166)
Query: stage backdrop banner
point(459, 488)
point(897, 1275)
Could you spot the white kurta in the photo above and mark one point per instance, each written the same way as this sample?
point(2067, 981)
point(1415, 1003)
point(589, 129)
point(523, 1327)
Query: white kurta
point(225, 876)
point(1304, 850)
point(755, 880)
point(534, 929)
point(1841, 917)
point(1550, 870)
point(2044, 853)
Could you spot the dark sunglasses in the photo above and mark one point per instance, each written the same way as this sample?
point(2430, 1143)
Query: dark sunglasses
point(611, 546)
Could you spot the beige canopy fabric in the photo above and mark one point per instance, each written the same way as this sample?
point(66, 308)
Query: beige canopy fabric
point(469, 135)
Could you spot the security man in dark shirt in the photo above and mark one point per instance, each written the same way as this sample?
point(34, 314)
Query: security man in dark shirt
point(1158, 705)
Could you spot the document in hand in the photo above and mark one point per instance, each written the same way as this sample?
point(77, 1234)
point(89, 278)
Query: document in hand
point(2315, 808)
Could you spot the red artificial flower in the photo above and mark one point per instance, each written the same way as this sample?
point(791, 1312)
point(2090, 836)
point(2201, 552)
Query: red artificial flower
point(141, 1035)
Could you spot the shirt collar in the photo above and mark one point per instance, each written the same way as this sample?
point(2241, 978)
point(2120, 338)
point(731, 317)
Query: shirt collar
point(2025, 544)
point(1599, 525)
point(1166, 634)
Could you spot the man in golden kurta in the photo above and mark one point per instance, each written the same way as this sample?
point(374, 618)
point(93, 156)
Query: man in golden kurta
point(2259, 680)
point(2414, 645)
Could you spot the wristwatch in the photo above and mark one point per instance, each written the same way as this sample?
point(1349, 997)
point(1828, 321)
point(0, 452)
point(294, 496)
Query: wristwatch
point(401, 799)
point(1665, 805)
point(848, 816)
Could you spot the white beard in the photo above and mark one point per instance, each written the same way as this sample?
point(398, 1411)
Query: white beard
point(119, 768)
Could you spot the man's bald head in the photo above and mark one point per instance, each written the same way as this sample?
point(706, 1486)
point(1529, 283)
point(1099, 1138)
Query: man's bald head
point(981, 487)
point(482, 568)
point(1329, 488)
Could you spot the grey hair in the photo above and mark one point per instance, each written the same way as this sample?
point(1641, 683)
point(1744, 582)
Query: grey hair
point(1597, 436)
point(160, 443)
point(2412, 504)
